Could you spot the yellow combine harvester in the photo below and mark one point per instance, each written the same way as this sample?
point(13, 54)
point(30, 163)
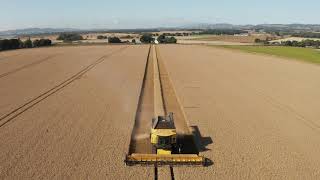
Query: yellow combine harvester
point(165, 147)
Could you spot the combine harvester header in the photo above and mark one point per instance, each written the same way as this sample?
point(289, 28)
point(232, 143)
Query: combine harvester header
point(162, 159)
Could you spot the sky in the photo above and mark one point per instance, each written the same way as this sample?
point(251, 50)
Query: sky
point(89, 14)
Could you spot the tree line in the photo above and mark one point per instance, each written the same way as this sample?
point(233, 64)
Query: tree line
point(307, 34)
point(7, 44)
point(69, 37)
point(114, 40)
point(145, 38)
point(166, 40)
point(102, 37)
point(176, 34)
point(293, 33)
point(303, 43)
point(148, 38)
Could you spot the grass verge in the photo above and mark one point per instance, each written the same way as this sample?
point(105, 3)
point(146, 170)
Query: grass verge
point(304, 54)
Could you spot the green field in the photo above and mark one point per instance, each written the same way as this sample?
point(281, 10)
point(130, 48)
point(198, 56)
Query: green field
point(304, 54)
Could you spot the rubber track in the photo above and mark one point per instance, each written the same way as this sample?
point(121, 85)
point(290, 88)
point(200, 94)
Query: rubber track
point(23, 108)
point(155, 173)
point(171, 173)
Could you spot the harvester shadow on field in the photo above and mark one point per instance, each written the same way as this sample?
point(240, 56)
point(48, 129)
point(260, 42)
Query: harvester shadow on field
point(194, 143)
point(201, 142)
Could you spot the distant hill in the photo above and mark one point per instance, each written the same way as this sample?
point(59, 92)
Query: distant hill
point(216, 26)
point(39, 31)
point(31, 31)
point(292, 28)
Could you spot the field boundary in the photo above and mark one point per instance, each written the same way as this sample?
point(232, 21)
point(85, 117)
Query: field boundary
point(230, 48)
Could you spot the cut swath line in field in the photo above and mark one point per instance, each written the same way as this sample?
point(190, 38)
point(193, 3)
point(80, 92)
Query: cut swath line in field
point(140, 142)
point(27, 66)
point(8, 57)
point(23, 108)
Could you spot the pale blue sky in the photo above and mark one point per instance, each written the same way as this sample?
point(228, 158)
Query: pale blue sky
point(145, 14)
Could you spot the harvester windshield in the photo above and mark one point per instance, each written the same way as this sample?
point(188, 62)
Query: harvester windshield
point(164, 141)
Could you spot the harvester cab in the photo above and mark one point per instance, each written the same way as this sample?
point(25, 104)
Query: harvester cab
point(163, 134)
